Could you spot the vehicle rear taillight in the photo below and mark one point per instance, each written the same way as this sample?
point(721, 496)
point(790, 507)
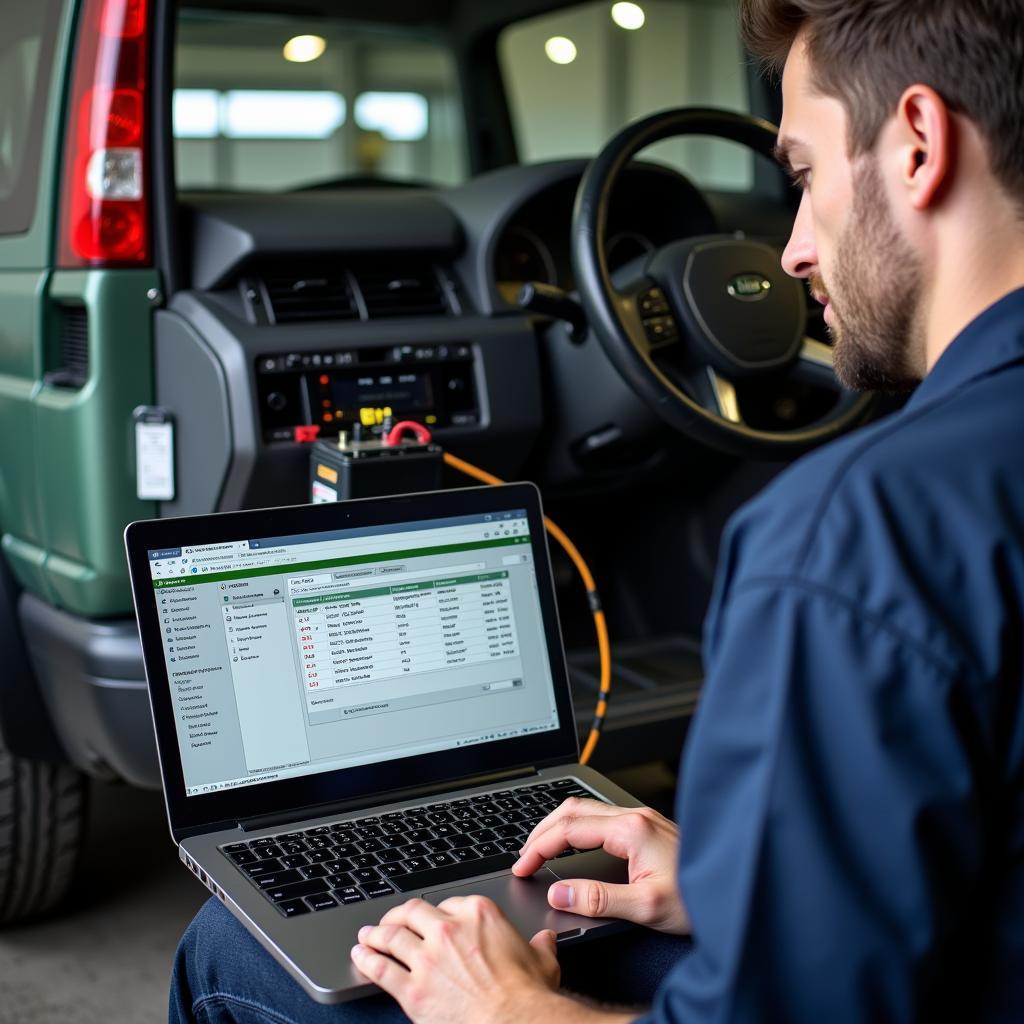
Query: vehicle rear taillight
point(105, 211)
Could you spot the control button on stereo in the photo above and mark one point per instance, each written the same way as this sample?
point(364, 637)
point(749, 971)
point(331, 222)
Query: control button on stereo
point(276, 401)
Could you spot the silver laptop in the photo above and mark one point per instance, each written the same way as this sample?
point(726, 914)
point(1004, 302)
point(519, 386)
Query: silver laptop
point(359, 703)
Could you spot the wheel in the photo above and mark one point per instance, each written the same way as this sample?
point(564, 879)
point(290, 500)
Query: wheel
point(42, 831)
point(698, 314)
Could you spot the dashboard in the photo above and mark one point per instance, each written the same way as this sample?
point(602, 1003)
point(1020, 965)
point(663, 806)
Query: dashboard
point(316, 314)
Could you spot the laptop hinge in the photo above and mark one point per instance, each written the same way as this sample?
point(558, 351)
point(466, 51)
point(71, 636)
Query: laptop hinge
point(373, 800)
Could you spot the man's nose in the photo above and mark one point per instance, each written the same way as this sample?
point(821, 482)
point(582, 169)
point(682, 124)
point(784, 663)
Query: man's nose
point(800, 258)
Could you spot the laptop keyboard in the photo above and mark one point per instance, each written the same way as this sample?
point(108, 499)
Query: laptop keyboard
point(402, 851)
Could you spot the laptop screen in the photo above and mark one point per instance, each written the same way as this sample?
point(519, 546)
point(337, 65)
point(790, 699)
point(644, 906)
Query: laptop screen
point(295, 655)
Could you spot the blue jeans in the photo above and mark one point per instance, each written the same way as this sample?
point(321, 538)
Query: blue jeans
point(221, 974)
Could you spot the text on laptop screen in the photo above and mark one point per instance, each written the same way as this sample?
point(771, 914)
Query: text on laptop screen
point(293, 655)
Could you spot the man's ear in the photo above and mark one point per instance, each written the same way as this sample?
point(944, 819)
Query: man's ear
point(925, 141)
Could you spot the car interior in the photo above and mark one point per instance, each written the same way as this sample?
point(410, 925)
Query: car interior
point(412, 196)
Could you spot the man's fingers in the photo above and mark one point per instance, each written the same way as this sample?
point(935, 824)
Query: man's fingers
point(598, 899)
point(545, 943)
point(417, 915)
point(617, 834)
point(395, 940)
point(381, 970)
point(567, 831)
point(454, 904)
point(573, 807)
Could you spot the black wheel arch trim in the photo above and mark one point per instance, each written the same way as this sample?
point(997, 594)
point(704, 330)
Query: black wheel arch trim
point(25, 723)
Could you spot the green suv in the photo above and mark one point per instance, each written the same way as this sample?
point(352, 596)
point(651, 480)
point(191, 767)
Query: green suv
point(227, 228)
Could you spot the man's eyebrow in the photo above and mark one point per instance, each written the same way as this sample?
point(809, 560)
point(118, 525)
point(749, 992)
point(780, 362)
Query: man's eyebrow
point(784, 147)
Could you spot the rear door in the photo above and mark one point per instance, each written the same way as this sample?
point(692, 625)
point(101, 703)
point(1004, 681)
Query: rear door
point(32, 47)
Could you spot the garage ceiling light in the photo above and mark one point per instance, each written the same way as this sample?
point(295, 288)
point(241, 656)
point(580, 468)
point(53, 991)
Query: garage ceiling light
point(303, 49)
point(560, 50)
point(629, 16)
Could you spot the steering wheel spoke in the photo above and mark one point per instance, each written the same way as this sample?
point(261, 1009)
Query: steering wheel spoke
point(814, 365)
point(713, 392)
point(723, 393)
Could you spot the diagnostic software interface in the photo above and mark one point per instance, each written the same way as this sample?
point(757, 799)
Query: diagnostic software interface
point(293, 655)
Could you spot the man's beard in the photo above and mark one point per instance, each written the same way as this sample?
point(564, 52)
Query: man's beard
point(876, 295)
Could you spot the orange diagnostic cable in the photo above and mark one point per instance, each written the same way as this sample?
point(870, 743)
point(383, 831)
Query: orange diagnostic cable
point(600, 625)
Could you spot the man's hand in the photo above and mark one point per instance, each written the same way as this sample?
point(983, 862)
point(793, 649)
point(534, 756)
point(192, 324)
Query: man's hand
point(460, 961)
point(644, 838)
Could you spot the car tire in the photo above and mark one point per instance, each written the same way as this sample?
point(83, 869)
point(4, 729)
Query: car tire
point(42, 830)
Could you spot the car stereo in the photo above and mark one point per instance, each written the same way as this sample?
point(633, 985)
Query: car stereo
point(336, 390)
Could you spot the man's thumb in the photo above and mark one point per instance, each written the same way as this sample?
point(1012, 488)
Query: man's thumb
point(591, 899)
point(545, 943)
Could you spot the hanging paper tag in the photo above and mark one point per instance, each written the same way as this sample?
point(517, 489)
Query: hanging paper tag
point(154, 454)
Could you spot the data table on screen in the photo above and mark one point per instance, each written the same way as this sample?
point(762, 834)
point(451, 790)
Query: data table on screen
point(363, 636)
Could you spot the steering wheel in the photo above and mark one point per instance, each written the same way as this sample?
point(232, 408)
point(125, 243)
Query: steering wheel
point(702, 313)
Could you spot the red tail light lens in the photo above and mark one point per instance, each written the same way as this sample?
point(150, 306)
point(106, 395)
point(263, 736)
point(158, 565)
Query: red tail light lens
point(124, 117)
point(126, 19)
point(105, 213)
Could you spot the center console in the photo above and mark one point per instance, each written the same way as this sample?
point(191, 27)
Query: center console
point(338, 389)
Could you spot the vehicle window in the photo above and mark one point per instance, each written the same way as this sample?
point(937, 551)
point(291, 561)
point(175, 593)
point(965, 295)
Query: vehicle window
point(575, 77)
point(26, 55)
point(285, 102)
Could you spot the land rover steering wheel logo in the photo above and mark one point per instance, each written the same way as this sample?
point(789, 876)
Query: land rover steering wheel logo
point(749, 287)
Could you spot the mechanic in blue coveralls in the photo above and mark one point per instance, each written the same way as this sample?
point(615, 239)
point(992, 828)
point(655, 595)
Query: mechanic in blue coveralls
point(851, 814)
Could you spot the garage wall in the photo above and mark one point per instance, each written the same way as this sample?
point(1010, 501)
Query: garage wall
point(687, 53)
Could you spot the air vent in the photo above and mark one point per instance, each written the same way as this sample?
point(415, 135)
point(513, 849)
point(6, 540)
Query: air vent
point(319, 294)
point(72, 370)
point(395, 289)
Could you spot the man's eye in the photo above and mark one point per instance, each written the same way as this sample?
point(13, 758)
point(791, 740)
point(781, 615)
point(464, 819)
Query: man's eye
point(801, 179)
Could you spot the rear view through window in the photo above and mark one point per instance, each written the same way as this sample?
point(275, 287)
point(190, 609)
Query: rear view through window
point(279, 102)
point(26, 53)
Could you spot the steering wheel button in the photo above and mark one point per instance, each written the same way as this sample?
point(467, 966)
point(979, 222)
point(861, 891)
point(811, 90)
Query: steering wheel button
point(660, 329)
point(653, 302)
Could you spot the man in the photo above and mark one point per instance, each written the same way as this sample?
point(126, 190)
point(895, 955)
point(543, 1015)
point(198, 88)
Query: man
point(851, 805)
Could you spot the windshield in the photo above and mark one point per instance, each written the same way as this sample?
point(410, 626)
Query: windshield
point(575, 77)
point(290, 101)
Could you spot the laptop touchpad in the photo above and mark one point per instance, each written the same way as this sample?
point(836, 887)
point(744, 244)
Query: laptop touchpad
point(524, 901)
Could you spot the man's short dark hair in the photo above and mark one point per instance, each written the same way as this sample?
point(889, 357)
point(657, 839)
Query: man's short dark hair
point(865, 53)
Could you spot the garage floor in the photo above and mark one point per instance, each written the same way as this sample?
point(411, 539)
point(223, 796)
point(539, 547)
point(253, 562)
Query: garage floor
point(106, 959)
